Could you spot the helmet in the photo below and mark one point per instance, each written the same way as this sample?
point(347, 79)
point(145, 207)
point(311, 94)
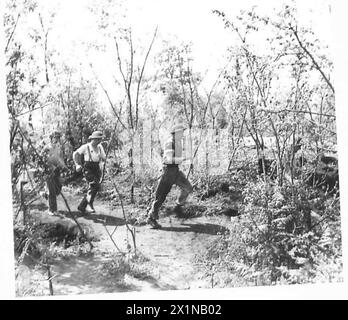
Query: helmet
point(96, 135)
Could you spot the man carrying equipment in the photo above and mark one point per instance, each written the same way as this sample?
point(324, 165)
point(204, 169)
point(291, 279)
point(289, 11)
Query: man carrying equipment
point(93, 153)
point(172, 157)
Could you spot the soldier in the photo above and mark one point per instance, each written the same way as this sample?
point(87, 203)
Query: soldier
point(172, 157)
point(55, 163)
point(93, 153)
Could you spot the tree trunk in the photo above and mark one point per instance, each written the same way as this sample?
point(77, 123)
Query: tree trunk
point(132, 175)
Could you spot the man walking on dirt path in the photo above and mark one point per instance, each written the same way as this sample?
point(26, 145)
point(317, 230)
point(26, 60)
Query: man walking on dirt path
point(172, 157)
point(55, 163)
point(93, 153)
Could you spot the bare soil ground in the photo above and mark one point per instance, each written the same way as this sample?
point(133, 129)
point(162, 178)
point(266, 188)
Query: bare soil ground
point(166, 258)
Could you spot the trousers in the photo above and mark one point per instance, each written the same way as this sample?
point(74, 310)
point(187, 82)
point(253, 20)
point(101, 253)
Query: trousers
point(171, 176)
point(92, 174)
point(54, 187)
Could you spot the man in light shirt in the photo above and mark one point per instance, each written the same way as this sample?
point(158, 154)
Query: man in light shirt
point(172, 157)
point(93, 154)
point(55, 163)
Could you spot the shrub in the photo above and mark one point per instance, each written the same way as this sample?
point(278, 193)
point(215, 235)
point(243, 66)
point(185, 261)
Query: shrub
point(280, 239)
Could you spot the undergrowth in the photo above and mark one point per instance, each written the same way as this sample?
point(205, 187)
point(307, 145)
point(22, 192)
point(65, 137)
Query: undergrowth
point(285, 235)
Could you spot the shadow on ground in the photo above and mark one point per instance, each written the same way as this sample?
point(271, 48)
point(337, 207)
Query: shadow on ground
point(99, 218)
point(206, 228)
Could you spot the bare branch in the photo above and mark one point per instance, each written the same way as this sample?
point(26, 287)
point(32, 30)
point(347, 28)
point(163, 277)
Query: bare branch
point(118, 115)
point(126, 82)
point(312, 58)
point(125, 217)
point(205, 112)
point(239, 137)
point(108, 149)
point(77, 223)
point(120, 64)
point(180, 59)
point(45, 47)
point(112, 239)
point(31, 110)
point(131, 71)
point(141, 75)
point(12, 33)
point(298, 111)
point(130, 106)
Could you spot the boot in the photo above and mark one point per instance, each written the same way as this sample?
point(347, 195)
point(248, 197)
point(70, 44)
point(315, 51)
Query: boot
point(152, 222)
point(82, 206)
point(91, 208)
point(179, 211)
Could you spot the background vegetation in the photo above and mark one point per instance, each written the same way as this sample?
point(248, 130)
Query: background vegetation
point(262, 136)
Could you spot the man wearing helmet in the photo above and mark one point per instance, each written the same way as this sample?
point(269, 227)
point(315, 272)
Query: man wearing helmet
point(92, 153)
point(172, 157)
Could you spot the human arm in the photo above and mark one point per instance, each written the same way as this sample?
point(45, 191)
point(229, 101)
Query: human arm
point(174, 154)
point(102, 154)
point(77, 155)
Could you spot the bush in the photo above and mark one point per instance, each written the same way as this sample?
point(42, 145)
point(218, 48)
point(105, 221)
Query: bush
point(279, 238)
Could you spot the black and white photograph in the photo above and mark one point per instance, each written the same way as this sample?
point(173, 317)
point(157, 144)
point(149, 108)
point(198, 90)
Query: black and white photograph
point(159, 146)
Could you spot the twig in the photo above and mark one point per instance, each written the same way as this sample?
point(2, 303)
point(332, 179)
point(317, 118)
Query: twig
point(204, 114)
point(117, 114)
point(239, 137)
point(312, 58)
point(114, 230)
point(48, 267)
point(49, 274)
point(27, 204)
point(12, 33)
point(111, 238)
point(28, 141)
point(52, 277)
point(125, 218)
point(24, 251)
point(142, 72)
point(108, 150)
point(31, 110)
point(23, 203)
point(127, 84)
point(297, 111)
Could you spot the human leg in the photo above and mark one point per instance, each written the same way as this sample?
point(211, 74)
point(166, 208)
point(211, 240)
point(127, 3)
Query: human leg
point(92, 176)
point(163, 188)
point(83, 205)
point(53, 189)
point(185, 188)
point(93, 189)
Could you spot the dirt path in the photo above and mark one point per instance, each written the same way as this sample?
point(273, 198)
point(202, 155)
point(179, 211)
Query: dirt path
point(168, 255)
